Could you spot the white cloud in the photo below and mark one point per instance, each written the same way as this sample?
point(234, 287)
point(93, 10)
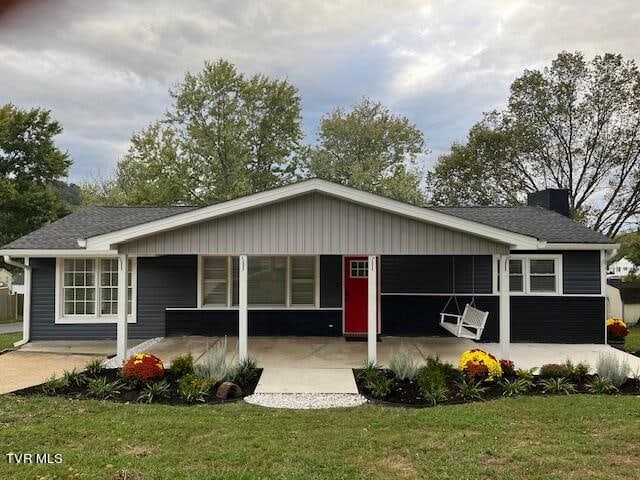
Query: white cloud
point(104, 68)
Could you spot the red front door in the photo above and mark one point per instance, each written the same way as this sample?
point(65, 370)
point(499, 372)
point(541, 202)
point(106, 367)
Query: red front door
point(356, 273)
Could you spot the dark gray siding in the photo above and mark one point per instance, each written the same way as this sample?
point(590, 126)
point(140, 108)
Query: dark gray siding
point(557, 319)
point(162, 282)
point(581, 272)
point(201, 322)
point(419, 315)
point(169, 281)
point(330, 281)
point(43, 325)
point(327, 323)
point(580, 269)
point(261, 322)
point(435, 273)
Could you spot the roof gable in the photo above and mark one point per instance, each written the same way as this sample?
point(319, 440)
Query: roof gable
point(110, 240)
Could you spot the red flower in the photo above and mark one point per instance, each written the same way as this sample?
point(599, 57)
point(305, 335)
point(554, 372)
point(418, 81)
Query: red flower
point(617, 330)
point(144, 366)
point(475, 370)
point(508, 368)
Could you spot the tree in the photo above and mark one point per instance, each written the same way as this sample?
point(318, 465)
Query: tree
point(30, 167)
point(225, 135)
point(573, 125)
point(371, 149)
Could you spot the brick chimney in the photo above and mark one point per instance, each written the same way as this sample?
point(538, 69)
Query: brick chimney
point(555, 199)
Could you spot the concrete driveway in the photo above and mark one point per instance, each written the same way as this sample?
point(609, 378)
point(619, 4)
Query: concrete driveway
point(36, 362)
point(13, 327)
point(20, 369)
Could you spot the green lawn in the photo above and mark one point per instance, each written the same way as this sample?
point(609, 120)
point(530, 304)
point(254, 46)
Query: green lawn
point(632, 342)
point(569, 437)
point(7, 340)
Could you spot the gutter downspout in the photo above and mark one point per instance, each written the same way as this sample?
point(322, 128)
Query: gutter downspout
point(26, 305)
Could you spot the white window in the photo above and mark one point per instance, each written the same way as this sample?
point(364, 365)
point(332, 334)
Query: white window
point(272, 282)
point(535, 274)
point(516, 275)
point(79, 294)
point(88, 290)
point(359, 268)
point(303, 280)
point(267, 281)
point(215, 281)
point(542, 275)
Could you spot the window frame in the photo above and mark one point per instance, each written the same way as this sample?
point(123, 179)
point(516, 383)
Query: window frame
point(526, 273)
point(97, 317)
point(289, 305)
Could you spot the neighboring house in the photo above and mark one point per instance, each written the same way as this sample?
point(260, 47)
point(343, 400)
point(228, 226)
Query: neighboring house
point(623, 300)
point(314, 258)
point(620, 268)
point(17, 285)
point(6, 277)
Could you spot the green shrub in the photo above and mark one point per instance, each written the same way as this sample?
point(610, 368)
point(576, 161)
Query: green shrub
point(244, 373)
point(213, 364)
point(74, 378)
point(612, 369)
point(601, 386)
point(53, 385)
point(524, 374)
point(516, 387)
point(370, 371)
point(554, 370)
point(181, 366)
point(94, 367)
point(152, 392)
point(469, 389)
point(102, 389)
point(434, 393)
point(557, 386)
point(403, 364)
point(579, 372)
point(193, 388)
point(432, 381)
point(379, 386)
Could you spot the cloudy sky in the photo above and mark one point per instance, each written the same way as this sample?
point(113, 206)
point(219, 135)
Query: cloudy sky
point(104, 68)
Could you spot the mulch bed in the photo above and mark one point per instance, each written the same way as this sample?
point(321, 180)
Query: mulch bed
point(130, 395)
point(406, 393)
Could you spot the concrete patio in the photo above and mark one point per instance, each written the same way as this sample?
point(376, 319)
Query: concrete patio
point(336, 352)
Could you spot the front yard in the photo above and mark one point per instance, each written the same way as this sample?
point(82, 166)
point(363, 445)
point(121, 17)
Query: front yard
point(579, 436)
point(7, 340)
point(632, 342)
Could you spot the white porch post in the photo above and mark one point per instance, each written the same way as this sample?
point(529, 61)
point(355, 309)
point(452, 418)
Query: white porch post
point(372, 310)
point(505, 307)
point(122, 330)
point(242, 315)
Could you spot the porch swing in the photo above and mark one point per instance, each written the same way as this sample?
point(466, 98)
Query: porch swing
point(471, 322)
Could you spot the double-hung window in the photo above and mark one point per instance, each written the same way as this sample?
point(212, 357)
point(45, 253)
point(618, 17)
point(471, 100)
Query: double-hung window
point(535, 274)
point(89, 289)
point(272, 282)
point(303, 280)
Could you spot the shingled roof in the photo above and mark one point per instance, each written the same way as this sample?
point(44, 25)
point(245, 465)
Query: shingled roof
point(64, 233)
point(535, 222)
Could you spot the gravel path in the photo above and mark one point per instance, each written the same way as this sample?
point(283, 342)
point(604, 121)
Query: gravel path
point(305, 401)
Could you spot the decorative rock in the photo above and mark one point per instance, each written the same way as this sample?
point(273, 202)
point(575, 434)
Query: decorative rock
point(306, 401)
point(228, 390)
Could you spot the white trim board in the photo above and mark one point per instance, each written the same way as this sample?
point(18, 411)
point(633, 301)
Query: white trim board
point(110, 241)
